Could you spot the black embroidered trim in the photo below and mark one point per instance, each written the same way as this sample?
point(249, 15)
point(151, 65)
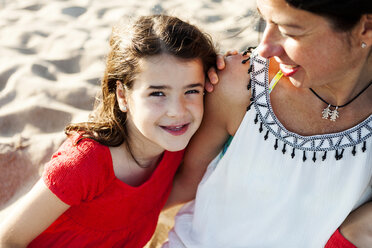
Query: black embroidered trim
point(316, 143)
point(293, 152)
point(284, 150)
point(249, 50)
point(249, 86)
point(314, 157)
point(364, 148)
point(353, 151)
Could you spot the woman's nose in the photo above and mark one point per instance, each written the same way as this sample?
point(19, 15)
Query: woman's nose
point(270, 45)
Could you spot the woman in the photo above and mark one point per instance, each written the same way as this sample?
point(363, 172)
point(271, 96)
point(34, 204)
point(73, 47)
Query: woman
point(300, 160)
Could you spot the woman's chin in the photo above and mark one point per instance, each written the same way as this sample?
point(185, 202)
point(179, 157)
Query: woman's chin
point(298, 83)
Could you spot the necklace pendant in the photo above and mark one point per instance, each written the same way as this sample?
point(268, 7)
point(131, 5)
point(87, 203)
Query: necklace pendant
point(334, 114)
point(327, 112)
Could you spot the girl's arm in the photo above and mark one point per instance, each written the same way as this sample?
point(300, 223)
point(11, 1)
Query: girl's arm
point(224, 110)
point(37, 210)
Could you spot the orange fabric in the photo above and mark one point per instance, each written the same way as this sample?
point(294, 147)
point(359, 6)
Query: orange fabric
point(273, 69)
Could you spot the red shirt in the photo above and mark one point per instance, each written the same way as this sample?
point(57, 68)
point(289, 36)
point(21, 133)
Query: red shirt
point(104, 212)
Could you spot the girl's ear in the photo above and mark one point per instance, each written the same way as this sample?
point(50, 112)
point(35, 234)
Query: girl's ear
point(120, 96)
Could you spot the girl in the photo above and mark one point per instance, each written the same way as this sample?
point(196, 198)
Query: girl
point(107, 183)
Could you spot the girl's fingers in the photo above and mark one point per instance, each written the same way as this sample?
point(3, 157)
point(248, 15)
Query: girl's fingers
point(212, 76)
point(212, 73)
point(220, 62)
point(208, 86)
point(232, 52)
point(221, 59)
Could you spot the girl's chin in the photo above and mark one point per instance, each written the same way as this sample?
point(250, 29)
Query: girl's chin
point(176, 149)
point(175, 146)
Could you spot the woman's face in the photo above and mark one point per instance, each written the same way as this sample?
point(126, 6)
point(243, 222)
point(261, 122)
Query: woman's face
point(309, 51)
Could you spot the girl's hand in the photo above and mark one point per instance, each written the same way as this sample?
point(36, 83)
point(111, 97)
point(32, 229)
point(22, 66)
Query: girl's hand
point(212, 73)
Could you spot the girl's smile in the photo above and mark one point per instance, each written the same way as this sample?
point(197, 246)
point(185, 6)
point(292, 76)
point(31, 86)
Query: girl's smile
point(176, 130)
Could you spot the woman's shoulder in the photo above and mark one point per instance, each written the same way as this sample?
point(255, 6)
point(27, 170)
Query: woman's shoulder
point(231, 95)
point(234, 79)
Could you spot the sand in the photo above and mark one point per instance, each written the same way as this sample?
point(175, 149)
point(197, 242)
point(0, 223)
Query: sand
point(52, 59)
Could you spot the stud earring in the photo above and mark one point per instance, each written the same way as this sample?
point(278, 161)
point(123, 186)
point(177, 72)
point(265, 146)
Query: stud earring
point(364, 45)
point(124, 108)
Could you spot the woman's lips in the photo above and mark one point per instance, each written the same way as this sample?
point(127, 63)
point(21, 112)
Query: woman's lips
point(289, 70)
point(176, 130)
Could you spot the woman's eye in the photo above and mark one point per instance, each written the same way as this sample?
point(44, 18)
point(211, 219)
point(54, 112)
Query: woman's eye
point(157, 93)
point(284, 34)
point(287, 35)
point(192, 92)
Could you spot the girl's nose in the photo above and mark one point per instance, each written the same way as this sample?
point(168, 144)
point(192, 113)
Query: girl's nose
point(177, 107)
point(270, 45)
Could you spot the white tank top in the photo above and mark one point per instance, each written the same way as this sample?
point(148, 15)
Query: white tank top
point(259, 195)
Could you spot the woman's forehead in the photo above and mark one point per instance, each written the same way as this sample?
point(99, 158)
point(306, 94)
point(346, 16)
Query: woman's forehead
point(281, 13)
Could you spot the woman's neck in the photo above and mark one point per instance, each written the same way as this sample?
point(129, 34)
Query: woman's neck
point(350, 85)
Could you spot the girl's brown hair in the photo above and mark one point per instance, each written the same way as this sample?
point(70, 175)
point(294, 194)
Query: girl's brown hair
point(147, 36)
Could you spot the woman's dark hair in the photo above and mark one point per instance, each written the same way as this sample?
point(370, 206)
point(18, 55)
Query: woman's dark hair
point(130, 42)
point(343, 14)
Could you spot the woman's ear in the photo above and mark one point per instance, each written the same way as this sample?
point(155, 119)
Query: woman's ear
point(120, 96)
point(366, 31)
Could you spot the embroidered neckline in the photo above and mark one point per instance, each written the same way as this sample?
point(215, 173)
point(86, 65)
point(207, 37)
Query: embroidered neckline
point(323, 142)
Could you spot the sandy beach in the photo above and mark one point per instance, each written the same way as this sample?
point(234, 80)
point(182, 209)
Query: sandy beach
point(52, 59)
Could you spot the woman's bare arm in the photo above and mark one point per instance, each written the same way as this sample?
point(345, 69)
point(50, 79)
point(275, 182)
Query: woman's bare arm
point(224, 109)
point(357, 228)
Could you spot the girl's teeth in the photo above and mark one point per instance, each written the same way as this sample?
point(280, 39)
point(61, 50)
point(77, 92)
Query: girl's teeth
point(176, 128)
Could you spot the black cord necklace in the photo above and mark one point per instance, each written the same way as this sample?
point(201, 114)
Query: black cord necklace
point(334, 114)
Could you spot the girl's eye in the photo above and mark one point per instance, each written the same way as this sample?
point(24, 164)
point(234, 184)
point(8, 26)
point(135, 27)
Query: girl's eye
point(157, 93)
point(192, 92)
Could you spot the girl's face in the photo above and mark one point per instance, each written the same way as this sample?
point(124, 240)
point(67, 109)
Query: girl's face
point(165, 104)
point(308, 50)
